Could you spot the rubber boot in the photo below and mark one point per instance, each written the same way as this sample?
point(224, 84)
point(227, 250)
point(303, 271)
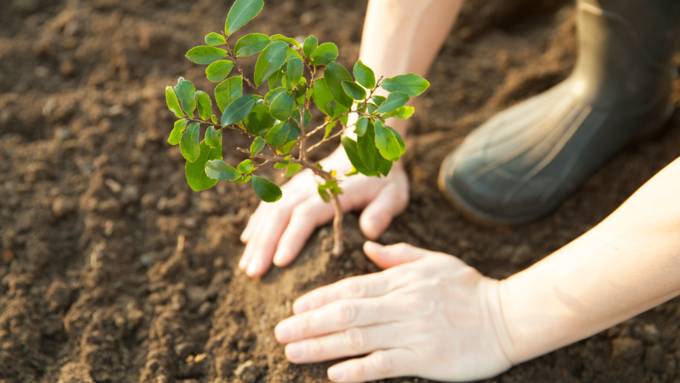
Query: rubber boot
point(522, 163)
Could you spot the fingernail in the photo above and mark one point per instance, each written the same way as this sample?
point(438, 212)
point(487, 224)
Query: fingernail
point(254, 267)
point(336, 373)
point(283, 332)
point(294, 351)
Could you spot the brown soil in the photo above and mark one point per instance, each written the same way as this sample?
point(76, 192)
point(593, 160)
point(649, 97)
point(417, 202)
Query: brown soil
point(94, 207)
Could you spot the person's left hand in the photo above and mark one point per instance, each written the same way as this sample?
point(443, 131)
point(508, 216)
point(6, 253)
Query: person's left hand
point(429, 315)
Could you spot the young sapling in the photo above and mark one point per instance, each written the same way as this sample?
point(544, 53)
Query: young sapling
point(278, 121)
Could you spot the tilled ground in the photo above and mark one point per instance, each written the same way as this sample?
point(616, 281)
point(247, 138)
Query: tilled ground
point(114, 271)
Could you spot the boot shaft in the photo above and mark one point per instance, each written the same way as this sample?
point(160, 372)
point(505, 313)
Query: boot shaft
point(625, 50)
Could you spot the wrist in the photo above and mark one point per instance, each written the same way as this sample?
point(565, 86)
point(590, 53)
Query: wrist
point(495, 308)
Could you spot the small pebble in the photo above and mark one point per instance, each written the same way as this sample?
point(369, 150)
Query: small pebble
point(7, 256)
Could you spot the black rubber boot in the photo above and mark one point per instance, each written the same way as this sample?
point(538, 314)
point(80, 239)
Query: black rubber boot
point(525, 161)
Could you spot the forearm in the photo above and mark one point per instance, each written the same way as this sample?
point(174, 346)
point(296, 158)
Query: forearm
point(627, 264)
point(404, 36)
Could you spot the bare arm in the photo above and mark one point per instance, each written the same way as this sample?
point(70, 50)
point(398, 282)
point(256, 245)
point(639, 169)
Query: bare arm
point(404, 36)
point(629, 263)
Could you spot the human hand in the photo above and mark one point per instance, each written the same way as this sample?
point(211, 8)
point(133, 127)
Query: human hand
point(428, 315)
point(278, 231)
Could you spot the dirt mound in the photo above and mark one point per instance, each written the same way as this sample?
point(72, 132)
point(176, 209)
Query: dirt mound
point(113, 270)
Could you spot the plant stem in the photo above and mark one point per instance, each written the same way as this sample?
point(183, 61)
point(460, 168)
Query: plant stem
point(338, 245)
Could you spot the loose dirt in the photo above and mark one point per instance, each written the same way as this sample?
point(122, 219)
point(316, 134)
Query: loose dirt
point(113, 270)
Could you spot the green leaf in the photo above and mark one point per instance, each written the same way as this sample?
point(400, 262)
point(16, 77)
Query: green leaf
point(176, 134)
point(189, 143)
point(241, 180)
point(352, 150)
point(378, 100)
point(241, 13)
point(286, 148)
point(228, 91)
point(278, 135)
point(214, 39)
point(309, 45)
point(173, 103)
point(213, 118)
point(301, 91)
point(370, 155)
point(294, 70)
point(204, 105)
point(362, 125)
point(219, 170)
point(286, 39)
point(274, 93)
point(329, 128)
point(238, 110)
point(251, 44)
point(292, 169)
point(340, 109)
point(402, 144)
point(282, 106)
point(324, 54)
point(271, 59)
point(259, 120)
point(297, 114)
point(323, 193)
point(195, 171)
point(386, 142)
point(330, 186)
point(186, 93)
point(364, 75)
point(402, 113)
point(335, 74)
point(292, 54)
point(354, 90)
point(257, 145)
point(213, 137)
point(219, 70)
point(246, 166)
point(275, 81)
point(266, 190)
point(394, 101)
point(205, 54)
point(409, 83)
point(322, 95)
point(294, 132)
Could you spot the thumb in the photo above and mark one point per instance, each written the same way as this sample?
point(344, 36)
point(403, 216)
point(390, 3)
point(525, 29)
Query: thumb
point(393, 255)
point(389, 202)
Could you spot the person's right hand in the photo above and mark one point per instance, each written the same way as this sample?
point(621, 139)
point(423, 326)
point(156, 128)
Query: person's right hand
point(278, 231)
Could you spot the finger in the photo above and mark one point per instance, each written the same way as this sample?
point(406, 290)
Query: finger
point(365, 286)
point(288, 190)
point(252, 222)
point(394, 255)
point(351, 342)
point(377, 216)
point(339, 316)
point(266, 239)
point(250, 246)
point(378, 365)
point(305, 218)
